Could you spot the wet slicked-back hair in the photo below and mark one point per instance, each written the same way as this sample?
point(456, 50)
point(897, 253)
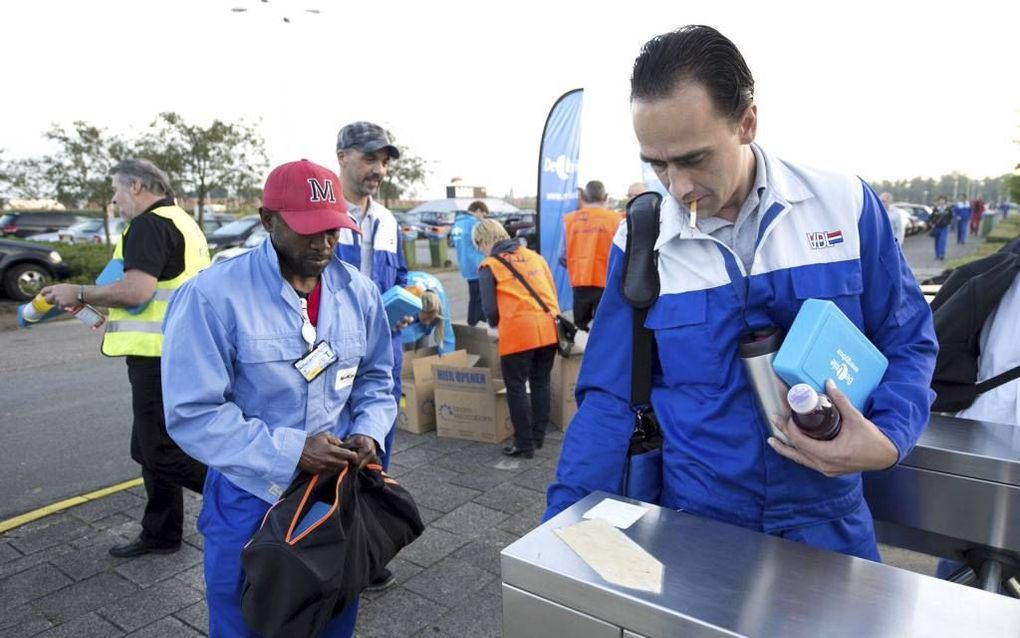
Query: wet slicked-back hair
point(694, 53)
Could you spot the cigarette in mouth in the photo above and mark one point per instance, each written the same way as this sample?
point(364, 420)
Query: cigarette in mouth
point(694, 212)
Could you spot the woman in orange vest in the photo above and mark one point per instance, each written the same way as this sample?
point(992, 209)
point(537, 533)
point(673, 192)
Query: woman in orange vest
point(527, 332)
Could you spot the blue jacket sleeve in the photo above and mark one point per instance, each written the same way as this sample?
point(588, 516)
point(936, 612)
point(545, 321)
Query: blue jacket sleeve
point(372, 406)
point(200, 416)
point(595, 444)
point(898, 321)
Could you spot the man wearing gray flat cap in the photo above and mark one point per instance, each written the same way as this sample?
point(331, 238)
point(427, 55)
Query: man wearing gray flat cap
point(364, 150)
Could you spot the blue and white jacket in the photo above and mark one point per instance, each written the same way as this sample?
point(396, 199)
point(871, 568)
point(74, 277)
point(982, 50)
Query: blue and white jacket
point(819, 236)
point(388, 265)
point(231, 394)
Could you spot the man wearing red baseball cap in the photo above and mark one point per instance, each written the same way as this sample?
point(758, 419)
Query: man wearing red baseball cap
point(263, 353)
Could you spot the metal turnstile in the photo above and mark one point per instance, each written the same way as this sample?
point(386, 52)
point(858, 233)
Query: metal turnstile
point(723, 580)
point(957, 494)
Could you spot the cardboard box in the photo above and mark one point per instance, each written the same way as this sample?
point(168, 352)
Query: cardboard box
point(470, 403)
point(482, 341)
point(417, 410)
point(411, 355)
point(564, 384)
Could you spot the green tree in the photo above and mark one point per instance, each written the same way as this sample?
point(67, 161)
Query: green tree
point(401, 174)
point(200, 159)
point(23, 178)
point(79, 171)
point(1013, 185)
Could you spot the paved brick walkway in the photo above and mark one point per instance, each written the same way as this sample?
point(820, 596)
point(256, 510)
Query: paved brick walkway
point(57, 579)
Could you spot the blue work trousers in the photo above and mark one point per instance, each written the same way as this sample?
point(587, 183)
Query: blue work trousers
point(961, 230)
point(229, 518)
point(941, 238)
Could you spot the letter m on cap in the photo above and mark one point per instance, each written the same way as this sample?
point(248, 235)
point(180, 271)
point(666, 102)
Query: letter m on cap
point(322, 191)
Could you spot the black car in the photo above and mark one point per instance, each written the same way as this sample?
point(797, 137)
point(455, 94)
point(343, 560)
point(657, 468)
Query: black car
point(521, 226)
point(232, 234)
point(25, 268)
point(23, 224)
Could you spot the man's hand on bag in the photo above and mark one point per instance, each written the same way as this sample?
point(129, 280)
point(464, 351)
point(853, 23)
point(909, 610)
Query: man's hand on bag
point(859, 447)
point(364, 447)
point(322, 453)
point(404, 322)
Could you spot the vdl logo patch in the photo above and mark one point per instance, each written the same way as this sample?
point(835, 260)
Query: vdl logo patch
point(446, 411)
point(824, 238)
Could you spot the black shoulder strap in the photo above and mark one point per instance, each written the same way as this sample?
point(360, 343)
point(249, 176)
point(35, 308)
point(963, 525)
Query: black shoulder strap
point(524, 281)
point(640, 286)
point(997, 380)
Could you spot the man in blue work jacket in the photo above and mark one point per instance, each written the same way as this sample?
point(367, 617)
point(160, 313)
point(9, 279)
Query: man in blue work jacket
point(263, 353)
point(766, 235)
point(364, 150)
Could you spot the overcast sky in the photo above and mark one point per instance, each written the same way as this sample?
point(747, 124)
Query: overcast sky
point(880, 89)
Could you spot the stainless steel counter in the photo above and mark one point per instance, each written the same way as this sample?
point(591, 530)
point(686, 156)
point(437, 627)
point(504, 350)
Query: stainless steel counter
point(722, 580)
point(977, 449)
point(958, 490)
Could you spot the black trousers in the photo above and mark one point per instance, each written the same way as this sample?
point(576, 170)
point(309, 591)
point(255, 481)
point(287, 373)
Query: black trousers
point(586, 300)
point(474, 303)
point(165, 466)
point(530, 418)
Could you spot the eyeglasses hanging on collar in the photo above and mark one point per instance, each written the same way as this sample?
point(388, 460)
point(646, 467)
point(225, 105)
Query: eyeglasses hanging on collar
point(307, 329)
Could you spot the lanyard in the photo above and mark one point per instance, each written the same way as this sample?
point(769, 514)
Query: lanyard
point(307, 329)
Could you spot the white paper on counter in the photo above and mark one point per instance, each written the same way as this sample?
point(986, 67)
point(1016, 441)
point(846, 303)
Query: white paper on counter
point(613, 555)
point(616, 513)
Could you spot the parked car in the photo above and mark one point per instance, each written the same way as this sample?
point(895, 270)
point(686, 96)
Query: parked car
point(25, 268)
point(233, 234)
point(90, 231)
point(522, 226)
point(52, 238)
point(24, 224)
point(254, 239)
point(438, 224)
point(920, 217)
point(214, 221)
point(411, 226)
point(920, 211)
point(437, 215)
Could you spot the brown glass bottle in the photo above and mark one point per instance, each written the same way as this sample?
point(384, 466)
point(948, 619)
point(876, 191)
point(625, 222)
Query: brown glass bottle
point(813, 412)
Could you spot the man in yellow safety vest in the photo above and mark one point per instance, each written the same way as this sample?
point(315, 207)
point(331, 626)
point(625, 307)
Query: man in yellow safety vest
point(160, 249)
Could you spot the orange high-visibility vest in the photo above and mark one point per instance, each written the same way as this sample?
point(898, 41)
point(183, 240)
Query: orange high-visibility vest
point(588, 236)
point(523, 325)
